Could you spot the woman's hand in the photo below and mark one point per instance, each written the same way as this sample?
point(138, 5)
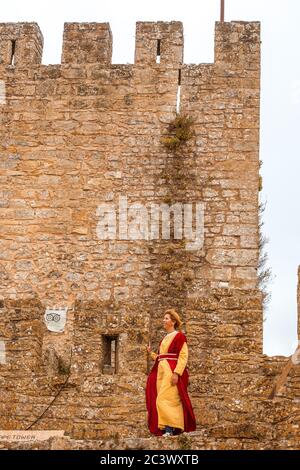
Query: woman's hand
point(174, 380)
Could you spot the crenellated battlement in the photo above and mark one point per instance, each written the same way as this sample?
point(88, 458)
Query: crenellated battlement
point(86, 108)
point(21, 44)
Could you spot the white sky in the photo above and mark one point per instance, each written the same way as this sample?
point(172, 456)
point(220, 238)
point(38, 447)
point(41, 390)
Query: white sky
point(280, 108)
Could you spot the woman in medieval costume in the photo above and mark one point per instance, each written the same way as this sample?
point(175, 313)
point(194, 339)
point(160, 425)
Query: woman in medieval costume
point(169, 407)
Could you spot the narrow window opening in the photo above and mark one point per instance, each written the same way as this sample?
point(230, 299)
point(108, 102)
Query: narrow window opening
point(13, 51)
point(178, 92)
point(158, 52)
point(110, 354)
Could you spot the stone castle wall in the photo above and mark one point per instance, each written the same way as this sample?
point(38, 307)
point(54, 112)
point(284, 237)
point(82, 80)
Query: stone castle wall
point(86, 132)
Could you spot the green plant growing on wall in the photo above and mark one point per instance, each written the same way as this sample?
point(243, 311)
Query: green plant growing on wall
point(184, 442)
point(180, 130)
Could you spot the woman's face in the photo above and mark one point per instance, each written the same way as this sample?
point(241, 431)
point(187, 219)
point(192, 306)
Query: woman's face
point(168, 322)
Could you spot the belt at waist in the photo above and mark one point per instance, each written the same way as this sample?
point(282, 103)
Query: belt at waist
point(169, 356)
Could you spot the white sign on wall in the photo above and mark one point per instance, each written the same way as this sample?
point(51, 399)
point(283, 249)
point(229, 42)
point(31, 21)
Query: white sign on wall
point(2, 92)
point(55, 318)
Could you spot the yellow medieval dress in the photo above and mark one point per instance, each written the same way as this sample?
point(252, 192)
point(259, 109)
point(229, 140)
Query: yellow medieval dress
point(168, 402)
